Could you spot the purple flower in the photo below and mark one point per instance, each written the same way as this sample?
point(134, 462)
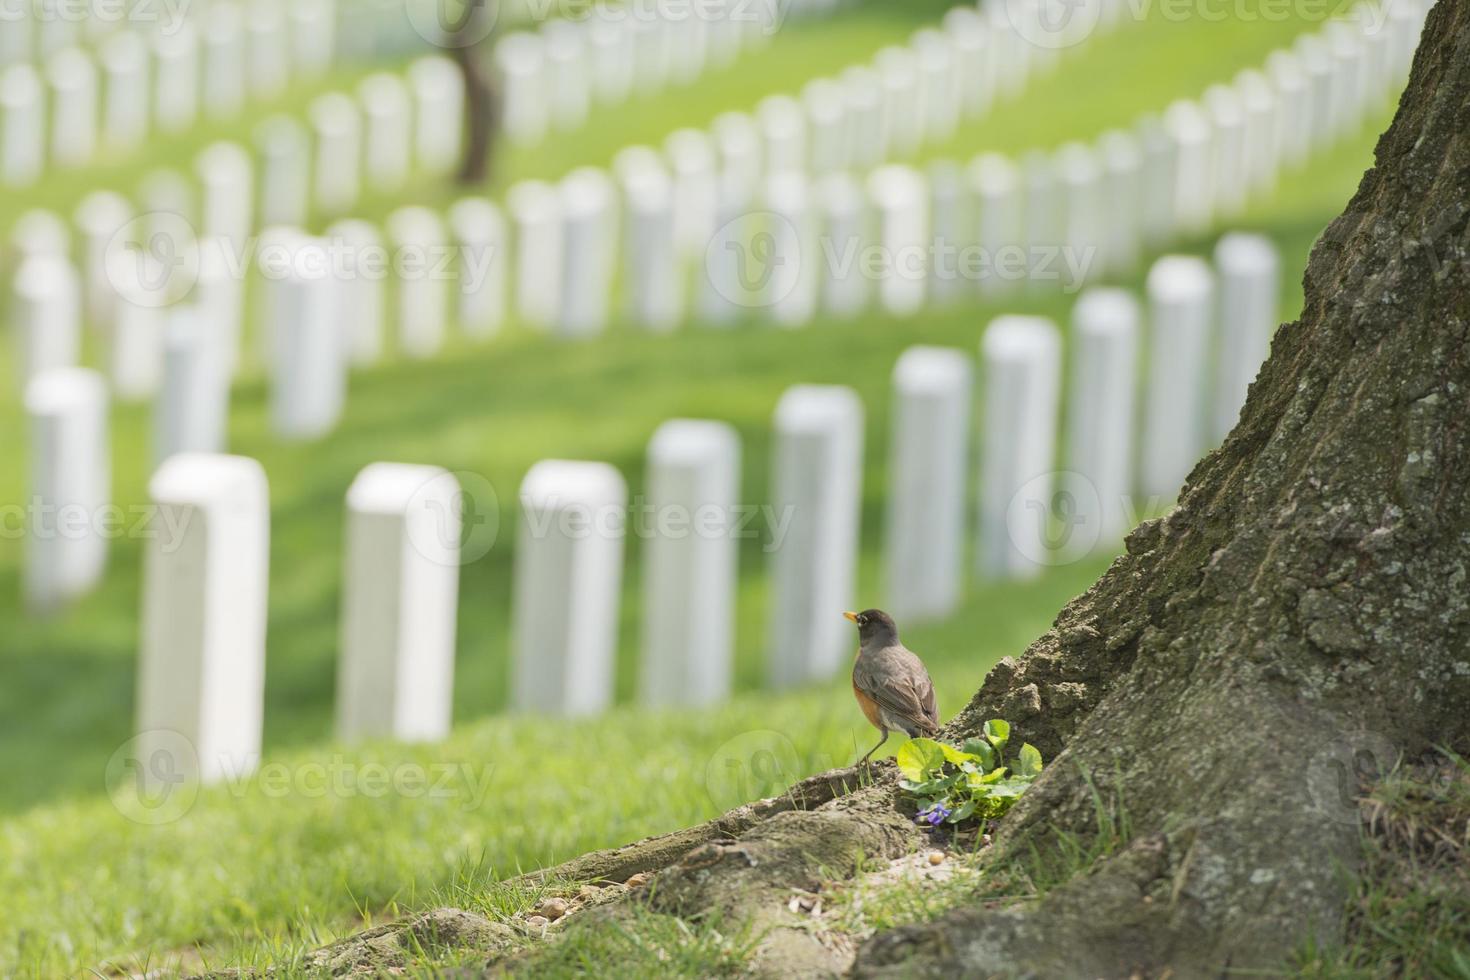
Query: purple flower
point(935, 814)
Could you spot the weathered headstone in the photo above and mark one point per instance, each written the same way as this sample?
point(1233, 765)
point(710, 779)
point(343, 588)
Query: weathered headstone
point(70, 485)
point(1022, 364)
point(400, 592)
point(1181, 299)
point(201, 671)
point(928, 470)
point(690, 581)
point(816, 493)
point(568, 583)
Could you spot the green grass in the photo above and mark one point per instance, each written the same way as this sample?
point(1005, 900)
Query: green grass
point(249, 876)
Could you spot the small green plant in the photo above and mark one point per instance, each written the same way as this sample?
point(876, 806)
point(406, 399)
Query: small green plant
point(975, 781)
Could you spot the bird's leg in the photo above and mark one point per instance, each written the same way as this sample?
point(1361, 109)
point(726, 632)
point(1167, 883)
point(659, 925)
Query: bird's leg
point(864, 759)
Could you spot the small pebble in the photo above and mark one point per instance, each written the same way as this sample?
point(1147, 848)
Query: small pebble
point(936, 857)
point(554, 908)
point(638, 880)
point(537, 921)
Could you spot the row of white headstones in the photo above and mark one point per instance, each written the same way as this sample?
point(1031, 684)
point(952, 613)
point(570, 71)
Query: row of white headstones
point(1098, 205)
point(565, 236)
point(139, 80)
point(207, 553)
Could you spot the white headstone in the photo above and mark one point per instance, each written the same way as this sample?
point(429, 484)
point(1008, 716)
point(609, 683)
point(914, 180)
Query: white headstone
point(192, 411)
point(225, 193)
point(219, 300)
point(1159, 183)
point(1181, 299)
point(953, 232)
point(419, 245)
point(1250, 288)
point(99, 217)
point(125, 65)
point(567, 72)
point(1293, 125)
point(969, 39)
point(201, 671)
point(267, 49)
point(285, 171)
point(900, 198)
point(364, 267)
point(928, 469)
point(1122, 200)
point(535, 212)
point(1082, 217)
point(135, 343)
point(827, 125)
point(1022, 363)
point(70, 485)
point(520, 60)
point(816, 487)
point(1100, 415)
point(738, 143)
point(690, 579)
point(1316, 62)
point(176, 79)
point(842, 207)
point(589, 251)
point(1262, 154)
point(45, 314)
point(938, 105)
point(782, 124)
point(478, 230)
point(73, 83)
point(336, 179)
point(1194, 166)
point(652, 52)
point(22, 126)
point(723, 293)
point(694, 167)
point(1349, 76)
point(313, 36)
point(651, 260)
point(995, 182)
point(568, 586)
point(222, 43)
point(610, 55)
point(902, 120)
point(309, 371)
point(862, 93)
point(1045, 231)
point(400, 591)
point(439, 98)
point(386, 139)
point(1230, 168)
point(791, 272)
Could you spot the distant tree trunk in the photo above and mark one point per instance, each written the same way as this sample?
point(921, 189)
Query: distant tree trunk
point(482, 103)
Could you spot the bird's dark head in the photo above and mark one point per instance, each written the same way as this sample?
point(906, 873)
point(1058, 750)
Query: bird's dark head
point(874, 624)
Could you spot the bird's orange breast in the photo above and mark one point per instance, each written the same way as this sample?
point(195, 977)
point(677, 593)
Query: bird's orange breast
point(869, 706)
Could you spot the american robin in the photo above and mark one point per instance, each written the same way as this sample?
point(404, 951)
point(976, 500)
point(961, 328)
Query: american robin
point(890, 682)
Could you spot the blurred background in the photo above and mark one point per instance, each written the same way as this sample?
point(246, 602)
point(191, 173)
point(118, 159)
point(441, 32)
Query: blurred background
point(256, 869)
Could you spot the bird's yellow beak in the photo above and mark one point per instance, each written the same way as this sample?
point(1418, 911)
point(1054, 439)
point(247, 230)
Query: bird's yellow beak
point(850, 615)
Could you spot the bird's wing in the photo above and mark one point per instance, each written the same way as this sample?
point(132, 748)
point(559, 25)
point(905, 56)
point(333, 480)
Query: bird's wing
point(906, 692)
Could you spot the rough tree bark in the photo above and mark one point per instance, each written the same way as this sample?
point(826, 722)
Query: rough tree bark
point(1304, 610)
point(482, 102)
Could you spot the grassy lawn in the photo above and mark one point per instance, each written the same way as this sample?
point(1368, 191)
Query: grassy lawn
point(249, 873)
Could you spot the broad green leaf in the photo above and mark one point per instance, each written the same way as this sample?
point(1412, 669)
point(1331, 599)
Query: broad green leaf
point(997, 733)
point(954, 755)
point(981, 750)
point(919, 758)
point(963, 812)
point(1028, 760)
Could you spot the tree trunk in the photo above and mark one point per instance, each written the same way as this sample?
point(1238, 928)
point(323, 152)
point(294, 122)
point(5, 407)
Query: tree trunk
point(1301, 619)
point(482, 103)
